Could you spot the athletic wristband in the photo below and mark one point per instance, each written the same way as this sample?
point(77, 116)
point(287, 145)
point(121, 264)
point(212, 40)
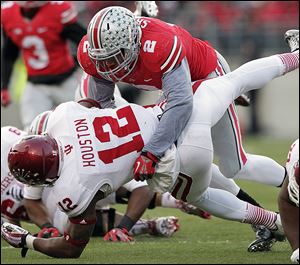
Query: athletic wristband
point(126, 222)
point(29, 241)
point(150, 156)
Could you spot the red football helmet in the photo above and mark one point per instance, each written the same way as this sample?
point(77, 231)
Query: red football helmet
point(34, 160)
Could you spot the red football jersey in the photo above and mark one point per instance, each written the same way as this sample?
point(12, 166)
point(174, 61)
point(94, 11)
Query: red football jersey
point(44, 51)
point(163, 46)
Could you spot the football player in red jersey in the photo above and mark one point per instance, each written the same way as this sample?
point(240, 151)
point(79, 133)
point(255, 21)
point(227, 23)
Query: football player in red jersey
point(39, 30)
point(151, 54)
point(288, 201)
point(82, 142)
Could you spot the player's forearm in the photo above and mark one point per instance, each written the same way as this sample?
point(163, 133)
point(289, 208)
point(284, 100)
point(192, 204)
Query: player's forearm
point(73, 32)
point(57, 247)
point(136, 207)
point(102, 91)
point(289, 214)
point(9, 55)
point(178, 91)
point(37, 212)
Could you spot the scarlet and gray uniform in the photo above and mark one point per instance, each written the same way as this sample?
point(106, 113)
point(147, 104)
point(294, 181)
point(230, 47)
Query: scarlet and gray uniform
point(99, 146)
point(42, 40)
point(170, 58)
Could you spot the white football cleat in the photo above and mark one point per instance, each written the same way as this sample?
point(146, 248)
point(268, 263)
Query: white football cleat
point(163, 226)
point(292, 39)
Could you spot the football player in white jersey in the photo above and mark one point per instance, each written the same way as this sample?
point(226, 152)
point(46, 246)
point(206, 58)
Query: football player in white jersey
point(12, 208)
point(45, 213)
point(98, 148)
point(288, 201)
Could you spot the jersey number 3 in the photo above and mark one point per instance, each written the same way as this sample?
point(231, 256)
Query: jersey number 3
point(135, 144)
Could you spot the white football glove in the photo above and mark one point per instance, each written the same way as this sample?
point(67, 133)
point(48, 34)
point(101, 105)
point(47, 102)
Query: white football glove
point(164, 226)
point(295, 256)
point(14, 235)
point(149, 7)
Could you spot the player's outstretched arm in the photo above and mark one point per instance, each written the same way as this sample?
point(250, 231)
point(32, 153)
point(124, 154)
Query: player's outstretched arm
point(70, 245)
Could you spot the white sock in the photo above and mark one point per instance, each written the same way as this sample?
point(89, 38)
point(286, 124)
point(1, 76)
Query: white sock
point(168, 201)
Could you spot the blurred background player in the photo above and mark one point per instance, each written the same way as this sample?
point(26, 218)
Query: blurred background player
point(40, 31)
point(288, 201)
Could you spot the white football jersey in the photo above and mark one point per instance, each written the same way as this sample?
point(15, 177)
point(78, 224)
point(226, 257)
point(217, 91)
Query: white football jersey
point(98, 147)
point(10, 207)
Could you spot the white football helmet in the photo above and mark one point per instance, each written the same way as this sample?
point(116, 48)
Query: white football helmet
point(39, 124)
point(148, 7)
point(292, 167)
point(114, 42)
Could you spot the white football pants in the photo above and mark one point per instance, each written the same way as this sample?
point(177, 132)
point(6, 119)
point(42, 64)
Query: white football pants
point(211, 101)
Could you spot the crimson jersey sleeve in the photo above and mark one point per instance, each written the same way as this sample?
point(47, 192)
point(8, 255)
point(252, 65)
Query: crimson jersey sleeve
point(84, 60)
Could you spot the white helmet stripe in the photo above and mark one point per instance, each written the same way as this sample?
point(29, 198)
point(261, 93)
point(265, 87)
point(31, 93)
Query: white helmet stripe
point(92, 29)
point(97, 30)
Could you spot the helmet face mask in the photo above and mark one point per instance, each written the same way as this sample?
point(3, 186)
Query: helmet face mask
point(113, 36)
point(34, 160)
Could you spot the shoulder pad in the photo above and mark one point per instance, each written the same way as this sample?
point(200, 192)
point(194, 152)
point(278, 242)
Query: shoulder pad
point(162, 52)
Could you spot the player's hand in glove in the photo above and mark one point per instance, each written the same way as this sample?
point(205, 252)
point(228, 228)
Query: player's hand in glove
point(48, 231)
point(16, 191)
point(144, 166)
point(14, 235)
point(5, 98)
point(118, 235)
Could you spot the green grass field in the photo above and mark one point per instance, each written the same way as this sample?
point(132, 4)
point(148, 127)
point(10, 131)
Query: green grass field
point(198, 241)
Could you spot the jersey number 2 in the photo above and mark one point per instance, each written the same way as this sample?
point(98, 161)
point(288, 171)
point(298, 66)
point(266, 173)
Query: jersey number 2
point(132, 127)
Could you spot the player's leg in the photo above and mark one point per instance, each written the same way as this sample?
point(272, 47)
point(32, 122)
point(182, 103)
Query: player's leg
point(66, 90)
point(35, 100)
point(234, 162)
point(191, 186)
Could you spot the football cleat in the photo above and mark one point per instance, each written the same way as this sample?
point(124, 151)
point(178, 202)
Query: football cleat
point(292, 39)
point(278, 232)
point(265, 238)
point(163, 226)
point(191, 209)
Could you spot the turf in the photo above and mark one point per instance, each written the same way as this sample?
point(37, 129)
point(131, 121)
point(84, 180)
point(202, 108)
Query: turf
point(198, 241)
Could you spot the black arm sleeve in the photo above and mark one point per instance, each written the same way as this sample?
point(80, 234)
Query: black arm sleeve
point(9, 54)
point(73, 32)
